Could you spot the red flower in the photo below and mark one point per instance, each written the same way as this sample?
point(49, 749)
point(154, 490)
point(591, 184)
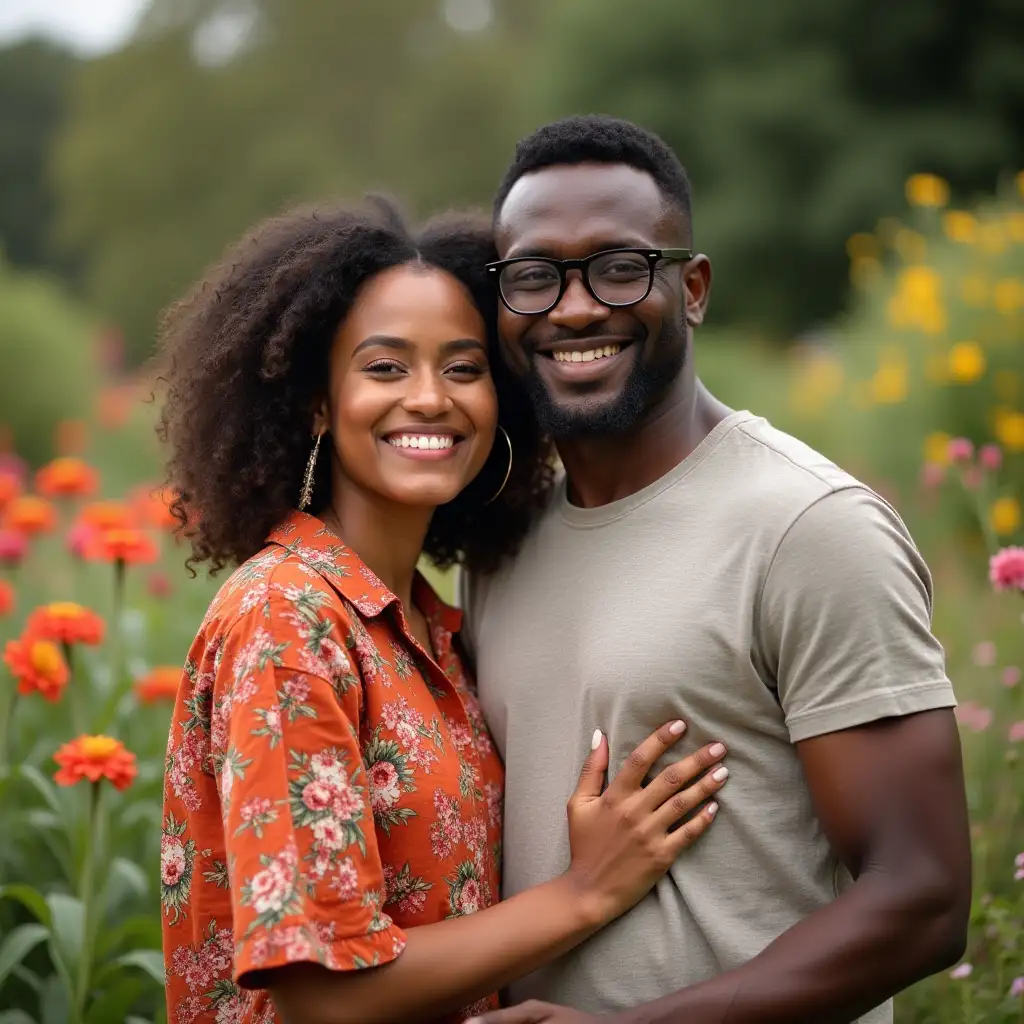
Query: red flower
point(6, 598)
point(29, 515)
point(1006, 569)
point(132, 547)
point(95, 758)
point(67, 623)
point(13, 547)
point(38, 665)
point(160, 683)
point(67, 477)
point(107, 515)
point(10, 488)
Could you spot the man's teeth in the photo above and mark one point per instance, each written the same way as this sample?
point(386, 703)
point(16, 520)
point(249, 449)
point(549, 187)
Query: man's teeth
point(422, 440)
point(588, 356)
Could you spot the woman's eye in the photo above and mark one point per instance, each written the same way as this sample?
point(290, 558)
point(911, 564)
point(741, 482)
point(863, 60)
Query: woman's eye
point(384, 366)
point(472, 369)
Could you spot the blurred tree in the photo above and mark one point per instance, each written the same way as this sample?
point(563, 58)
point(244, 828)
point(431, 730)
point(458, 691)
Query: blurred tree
point(798, 121)
point(34, 78)
point(221, 112)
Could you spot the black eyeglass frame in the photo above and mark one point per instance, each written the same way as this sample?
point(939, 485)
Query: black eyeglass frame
point(653, 257)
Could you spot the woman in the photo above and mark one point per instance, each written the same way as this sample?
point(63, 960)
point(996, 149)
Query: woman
point(333, 800)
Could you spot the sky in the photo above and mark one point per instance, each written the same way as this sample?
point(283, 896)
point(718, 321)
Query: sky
point(88, 26)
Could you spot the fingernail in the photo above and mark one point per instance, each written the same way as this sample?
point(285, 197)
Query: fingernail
point(595, 742)
point(720, 773)
point(677, 728)
point(712, 810)
point(717, 749)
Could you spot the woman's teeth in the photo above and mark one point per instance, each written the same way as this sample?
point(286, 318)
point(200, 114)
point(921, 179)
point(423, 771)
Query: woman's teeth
point(422, 440)
point(588, 356)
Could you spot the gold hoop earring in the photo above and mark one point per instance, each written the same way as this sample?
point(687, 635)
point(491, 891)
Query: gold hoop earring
point(306, 494)
point(508, 472)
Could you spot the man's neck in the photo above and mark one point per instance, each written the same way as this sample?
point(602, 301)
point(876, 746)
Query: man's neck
point(606, 469)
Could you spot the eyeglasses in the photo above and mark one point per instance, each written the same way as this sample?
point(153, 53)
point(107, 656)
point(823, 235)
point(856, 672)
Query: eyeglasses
point(529, 285)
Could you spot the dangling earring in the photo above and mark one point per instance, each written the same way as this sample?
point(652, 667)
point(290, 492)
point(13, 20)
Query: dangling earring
point(508, 471)
point(306, 494)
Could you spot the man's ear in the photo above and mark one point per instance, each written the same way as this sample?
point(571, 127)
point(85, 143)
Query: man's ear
point(697, 288)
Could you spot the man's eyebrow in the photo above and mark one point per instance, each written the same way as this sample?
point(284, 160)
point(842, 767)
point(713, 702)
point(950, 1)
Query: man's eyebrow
point(543, 252)
point(404, 345)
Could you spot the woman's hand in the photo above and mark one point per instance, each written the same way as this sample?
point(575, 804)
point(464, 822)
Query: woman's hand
point(622, 839)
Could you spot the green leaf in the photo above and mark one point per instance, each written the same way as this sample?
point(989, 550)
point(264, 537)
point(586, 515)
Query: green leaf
point(67, 932)
point(16, 1017)
point(42, 785)
point(126, 881)
point(26, 977)
point(32, 899)
point(149, 960)
point(55, 1003)
point(139, 932)
point(17, 945)
point(115, 1002)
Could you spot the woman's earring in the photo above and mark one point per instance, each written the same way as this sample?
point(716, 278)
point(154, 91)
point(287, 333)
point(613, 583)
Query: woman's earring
point(508, 471)
point(306, 495)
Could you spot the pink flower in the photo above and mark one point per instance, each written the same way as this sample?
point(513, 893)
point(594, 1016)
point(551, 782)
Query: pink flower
point(961, 971)
point(383, 784)
point(13, 546)
point(1016, 734)
point(932, 475)
point(990, 456)
point(346, 881)
point(960, 450)
point(253, 808)
point(1006, 569)
point(1017, 988)
point(80, 539)
point(317, 796)
point(469, 898)
point(973, 716)
point(1010, 676)
point(984, 654)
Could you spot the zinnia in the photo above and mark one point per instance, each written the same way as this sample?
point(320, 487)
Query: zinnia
point(94, 758)
point(29, 515)
point(6, 598)
point(1006, 569)
point(131, 547)
point(67, 477)
point(13, 547)
point(68, 623)
point(160, 683)
point(38, 665)
point(107, 515)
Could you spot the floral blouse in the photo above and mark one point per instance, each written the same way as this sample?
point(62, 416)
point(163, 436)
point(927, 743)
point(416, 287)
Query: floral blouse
point(327, 783)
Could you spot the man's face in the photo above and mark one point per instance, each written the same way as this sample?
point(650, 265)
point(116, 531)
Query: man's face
point(570, 212)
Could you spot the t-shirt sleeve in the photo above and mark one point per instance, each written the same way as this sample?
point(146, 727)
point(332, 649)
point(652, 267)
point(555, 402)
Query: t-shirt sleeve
point(304, 871)
point(464, 594)
point(844, 621)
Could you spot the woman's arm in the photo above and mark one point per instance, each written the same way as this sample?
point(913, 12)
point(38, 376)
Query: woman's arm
point(620, 847)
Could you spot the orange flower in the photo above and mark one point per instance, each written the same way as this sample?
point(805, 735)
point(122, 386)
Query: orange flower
point(38, 665)
point(160, 683)
point(30, 515)
point(107, 515)
point(6, 598)
point(67, 477)
point(95, 758)
point(130, 546)
point(10, 488)
point(67, 623)
point(154, 507)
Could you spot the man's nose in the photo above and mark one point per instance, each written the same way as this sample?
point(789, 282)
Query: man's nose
point(577, 309)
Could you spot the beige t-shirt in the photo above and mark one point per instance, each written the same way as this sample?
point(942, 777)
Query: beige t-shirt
point(756, 591)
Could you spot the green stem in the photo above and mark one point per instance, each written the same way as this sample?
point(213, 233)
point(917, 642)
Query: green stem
point(7, 734)
point(77, 707)
point(86, 893)
point(117, 634)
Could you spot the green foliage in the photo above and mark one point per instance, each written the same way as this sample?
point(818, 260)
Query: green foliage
point(798, 121)
point(47, 370)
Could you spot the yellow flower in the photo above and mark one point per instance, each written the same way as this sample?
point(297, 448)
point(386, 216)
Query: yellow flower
point(1007, 295)
point(1009, 429)
point(927, 190)
point(889, 384)
point(959, 226)
point(862, 246)
point(966, 362)
point(974, 290)
point(936, 448)
point(1004, 515)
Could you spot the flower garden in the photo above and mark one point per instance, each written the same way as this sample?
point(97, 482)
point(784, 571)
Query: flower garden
point(920, 391)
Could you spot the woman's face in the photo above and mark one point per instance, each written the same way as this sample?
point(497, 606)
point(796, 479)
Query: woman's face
point(411, 407)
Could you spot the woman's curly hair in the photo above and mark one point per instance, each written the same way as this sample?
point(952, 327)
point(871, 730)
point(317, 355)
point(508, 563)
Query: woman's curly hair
point(245, 363)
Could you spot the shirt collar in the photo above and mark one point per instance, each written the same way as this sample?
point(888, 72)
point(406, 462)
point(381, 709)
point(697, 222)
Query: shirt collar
point(321, 550)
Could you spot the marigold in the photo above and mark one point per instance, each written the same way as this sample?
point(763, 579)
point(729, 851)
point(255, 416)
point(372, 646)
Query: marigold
point(95, 758)
point(13, 547)
point(10, 488)
point(29, 515)
point(927, 190)
point(132, 547)
point(67, 477)
point(1006, 569)
point(966, 362)
point(67, 623)
point(1004, 515)
point(960, 226)
point(38, 665)
point(6, 598)
point(160, 683)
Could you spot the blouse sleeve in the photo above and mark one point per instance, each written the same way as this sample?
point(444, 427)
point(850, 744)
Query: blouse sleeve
point(304, 871)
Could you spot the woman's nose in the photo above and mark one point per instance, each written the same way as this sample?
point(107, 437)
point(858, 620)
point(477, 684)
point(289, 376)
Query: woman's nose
point(427, 395)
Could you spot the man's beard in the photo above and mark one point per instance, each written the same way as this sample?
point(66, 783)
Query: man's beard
point(647, 383)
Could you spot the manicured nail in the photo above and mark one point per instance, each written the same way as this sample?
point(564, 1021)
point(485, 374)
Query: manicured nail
point(712, 810)
point(595, 742)
point(677, 728)
point(717, 749)
point(720, 773)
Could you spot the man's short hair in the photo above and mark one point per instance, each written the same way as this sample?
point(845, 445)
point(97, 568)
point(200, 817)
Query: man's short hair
point(597, 138)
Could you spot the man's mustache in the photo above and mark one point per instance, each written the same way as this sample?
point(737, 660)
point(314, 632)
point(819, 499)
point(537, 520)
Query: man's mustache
point(598, 334)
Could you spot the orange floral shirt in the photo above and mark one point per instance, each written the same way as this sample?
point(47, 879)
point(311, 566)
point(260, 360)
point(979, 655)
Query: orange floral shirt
point(327, 783)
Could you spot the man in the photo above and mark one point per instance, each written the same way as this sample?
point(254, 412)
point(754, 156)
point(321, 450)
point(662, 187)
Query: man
point(695, 562)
